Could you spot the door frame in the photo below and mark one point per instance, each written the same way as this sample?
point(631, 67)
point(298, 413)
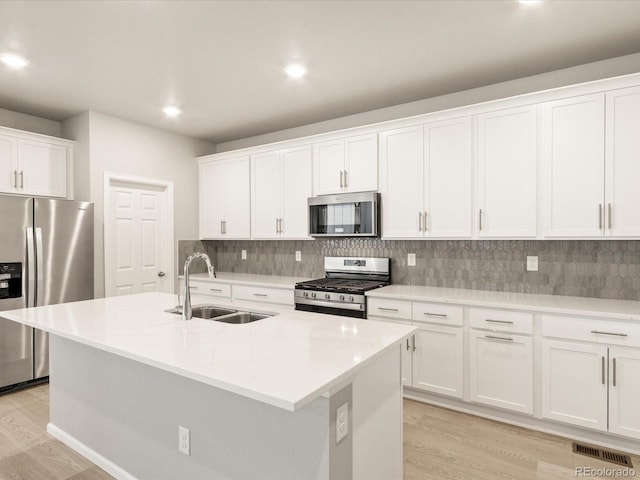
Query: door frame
point(138, 182)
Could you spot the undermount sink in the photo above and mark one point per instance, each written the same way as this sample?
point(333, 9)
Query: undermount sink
point(221, 314)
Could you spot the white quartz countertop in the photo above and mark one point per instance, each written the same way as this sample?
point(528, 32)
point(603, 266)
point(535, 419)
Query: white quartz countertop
point(616, 309)
point(249, 279)
point(286, 360)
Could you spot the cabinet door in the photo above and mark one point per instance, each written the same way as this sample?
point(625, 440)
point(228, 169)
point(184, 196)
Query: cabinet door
point(212, 199)
point(361, 163)
point(406, 354)
point(574, 383)
point(624, 391)
point(42, 168)
point(622, 162)
point(438, 360)
point(507, 173)
point(502, 370)
point(448, 178)
point(8, 160)
point(296, 189)
point(573, 167)
point(266, 201)
point(401, 182)
point(238, 198)
point(328, 167)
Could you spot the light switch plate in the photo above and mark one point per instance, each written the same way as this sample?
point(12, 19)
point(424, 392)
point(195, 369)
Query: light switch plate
point(342, 421)
point(244, 254)
point(532, 263)
point(298, 256)
point(411, 259)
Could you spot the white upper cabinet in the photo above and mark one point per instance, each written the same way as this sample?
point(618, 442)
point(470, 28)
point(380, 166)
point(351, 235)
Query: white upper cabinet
point(622, 163)
point(402, 182)
point(447, 195)
point(573, 167)
point(225, 199)
point(346, 165)
point(34, 166)
point(507, 155)
point(281, 183)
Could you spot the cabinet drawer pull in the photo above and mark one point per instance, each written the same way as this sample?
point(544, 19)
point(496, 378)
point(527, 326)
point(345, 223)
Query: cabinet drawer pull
point(495, 337)
point(505, 322)
point(21, 178)
point(599, 332)
point(425, 222)
point(260, 295)
point(609, 216)
point(346, 184)
point(407, 344)
point(414, 342)
point(341, 181)
point(439, 315)
point(600, 216)
point(480, 221)
point(614, 372)
point(15, 179)
point(603, 370)
point(215, 289)
point(419, 221)
point(385, 309)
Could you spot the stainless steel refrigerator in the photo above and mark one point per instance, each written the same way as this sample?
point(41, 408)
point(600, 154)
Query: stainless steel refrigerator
point(46, 257)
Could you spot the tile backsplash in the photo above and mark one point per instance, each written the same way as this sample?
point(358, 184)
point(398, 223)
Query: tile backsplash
point(583, 268)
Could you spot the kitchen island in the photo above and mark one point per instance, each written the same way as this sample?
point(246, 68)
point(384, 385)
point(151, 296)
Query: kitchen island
point(260, 400)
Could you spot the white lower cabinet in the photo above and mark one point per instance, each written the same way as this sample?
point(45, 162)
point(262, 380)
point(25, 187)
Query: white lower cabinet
point(624, 391)
point(501, 370)
point(438, 360)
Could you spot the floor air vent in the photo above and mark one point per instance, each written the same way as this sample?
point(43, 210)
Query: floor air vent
point(602, 454)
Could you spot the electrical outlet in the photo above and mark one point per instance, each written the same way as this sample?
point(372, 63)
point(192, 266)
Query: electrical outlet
point(342, 421)
point(298, 256)
point(184, 440)
point(244, 254)
point(532, 264)
point(411, 259)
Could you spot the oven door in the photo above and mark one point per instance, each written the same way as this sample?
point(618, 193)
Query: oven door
point(344, 215)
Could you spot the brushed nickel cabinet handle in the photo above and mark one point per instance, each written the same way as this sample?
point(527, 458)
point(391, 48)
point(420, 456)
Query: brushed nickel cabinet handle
point(505, 322)
point(21, 178)
point(385, 309)
point(224, 223)
point(277, 225)
point(341, 180)
point(615, 334)
point(221, 227)
point(281, 222)
point(495, 337)
point(614, 372)
point(407, 344)
point(414, 343)
point(600, 216)
point(603, 370)
point(609, 215)
point(480, 220)
point(15, 179)
point(215, 289)
point(260, 295)
point(439, 315)
point(426, 227)
point(346, 183)
point(419, 221)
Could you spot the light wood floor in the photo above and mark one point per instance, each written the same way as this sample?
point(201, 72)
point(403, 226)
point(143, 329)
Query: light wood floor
point(438, 444)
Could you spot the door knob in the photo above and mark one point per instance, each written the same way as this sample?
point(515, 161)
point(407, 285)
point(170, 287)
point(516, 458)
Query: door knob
point(161, 274)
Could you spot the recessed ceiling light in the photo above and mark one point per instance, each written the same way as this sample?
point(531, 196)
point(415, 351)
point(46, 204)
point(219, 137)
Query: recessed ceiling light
point(14, 61)
point(295, 70)
point(171, 111)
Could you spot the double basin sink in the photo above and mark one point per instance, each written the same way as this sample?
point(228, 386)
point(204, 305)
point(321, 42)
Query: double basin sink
point(222, 314)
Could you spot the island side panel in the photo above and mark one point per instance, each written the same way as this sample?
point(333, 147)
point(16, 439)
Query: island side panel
point(129, 414)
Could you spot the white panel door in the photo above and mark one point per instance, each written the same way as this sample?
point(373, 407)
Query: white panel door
point(401, 182)
point(212, 199)
point(624, 391)
point(296, 189)
point(447, 148)
point(622, 161)
point(507, 156)
point(237, 220)
point(8, 160)
point(361, 163)
point(573, 167)
point(267, 194)
point(42, 168)
point(438, 360)
point(136, 241)
point(501, 370)
point(574, 383)
point(328, 167)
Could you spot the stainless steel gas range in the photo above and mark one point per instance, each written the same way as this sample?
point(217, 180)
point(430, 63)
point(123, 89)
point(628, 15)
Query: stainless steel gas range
point(341, 291)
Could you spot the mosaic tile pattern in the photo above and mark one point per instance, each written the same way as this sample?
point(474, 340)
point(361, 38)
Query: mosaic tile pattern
point(582, 268)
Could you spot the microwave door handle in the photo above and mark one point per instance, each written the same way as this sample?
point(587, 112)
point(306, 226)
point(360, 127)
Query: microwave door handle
point(31, 269)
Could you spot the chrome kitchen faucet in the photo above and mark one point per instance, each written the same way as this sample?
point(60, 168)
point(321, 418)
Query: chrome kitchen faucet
point(186, 308)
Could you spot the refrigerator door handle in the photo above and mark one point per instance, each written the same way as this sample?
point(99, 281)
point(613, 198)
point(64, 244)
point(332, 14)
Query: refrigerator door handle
point(39, 267)
point(31, 269)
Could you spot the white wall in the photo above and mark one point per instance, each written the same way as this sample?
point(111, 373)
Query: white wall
point(108, 144)
point(22, 121)
point(569, 76)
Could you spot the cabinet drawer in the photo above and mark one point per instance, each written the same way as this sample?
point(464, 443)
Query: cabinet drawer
point(263, 294)
point(210, 288)
point(437, 313)
point(591, 330)
point(388, 308)
point(501, 320)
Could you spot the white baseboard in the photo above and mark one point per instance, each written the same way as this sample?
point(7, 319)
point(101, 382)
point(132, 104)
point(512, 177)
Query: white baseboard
point(88, 453)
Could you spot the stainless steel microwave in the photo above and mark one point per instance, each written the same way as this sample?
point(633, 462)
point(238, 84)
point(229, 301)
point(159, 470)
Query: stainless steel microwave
point(344, 215)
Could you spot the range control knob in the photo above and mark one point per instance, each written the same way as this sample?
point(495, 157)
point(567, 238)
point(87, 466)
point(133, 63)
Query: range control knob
point(327, 296)
point(313, 295)
point(305, 294)
point(351, 298)
point(342, 298)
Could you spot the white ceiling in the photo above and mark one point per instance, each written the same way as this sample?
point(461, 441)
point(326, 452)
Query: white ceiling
point(222, 61)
